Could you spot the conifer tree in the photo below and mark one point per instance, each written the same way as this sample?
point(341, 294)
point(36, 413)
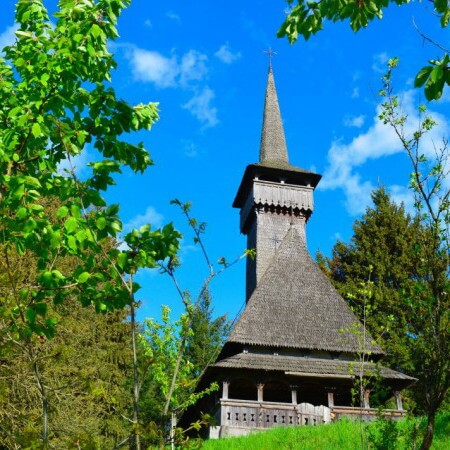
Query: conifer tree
point(388, 248)
point(384, 249)
point(208, 335)
point(79, 378)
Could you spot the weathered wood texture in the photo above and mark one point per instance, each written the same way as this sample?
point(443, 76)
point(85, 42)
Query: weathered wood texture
point(248, 414)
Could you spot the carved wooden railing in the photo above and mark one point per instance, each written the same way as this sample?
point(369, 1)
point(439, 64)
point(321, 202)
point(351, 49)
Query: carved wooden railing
point(254, 414)
point(367, 414)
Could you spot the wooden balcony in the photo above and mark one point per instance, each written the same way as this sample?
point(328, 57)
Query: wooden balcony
point(366, 414)
point(239, 417)
point(254, 414)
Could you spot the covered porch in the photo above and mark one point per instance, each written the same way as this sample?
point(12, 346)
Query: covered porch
point(238, 417)
point(252, 399)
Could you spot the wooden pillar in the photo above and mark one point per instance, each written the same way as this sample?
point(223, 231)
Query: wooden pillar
point(330, 399)
point(225, 385)
point(366, 398)
point(294, 394)
point(260, 387)
point(398, 397)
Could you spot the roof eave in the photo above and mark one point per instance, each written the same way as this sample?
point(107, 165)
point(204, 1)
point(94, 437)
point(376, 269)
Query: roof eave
point(294, 175)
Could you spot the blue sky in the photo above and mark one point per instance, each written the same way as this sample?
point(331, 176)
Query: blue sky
point(205, 64)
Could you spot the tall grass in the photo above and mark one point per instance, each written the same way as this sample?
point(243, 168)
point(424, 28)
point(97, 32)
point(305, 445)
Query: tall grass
point(341, 435)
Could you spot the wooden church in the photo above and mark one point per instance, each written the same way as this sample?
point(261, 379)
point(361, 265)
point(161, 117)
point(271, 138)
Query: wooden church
point(291, 358)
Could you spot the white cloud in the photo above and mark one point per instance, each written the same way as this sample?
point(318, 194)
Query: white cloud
point(188, 72)
point(8, 37)
point(378, 141)
point(190, 148)
point(201, 108)
point(153, 67)
point(148, 23)
point(401, 194)
point(173, 16)
point(355, 92)
point(226, 55)
point(150, 66)
point(354, 121)
point(379, 62)
point(151, 216)
point(192, 67)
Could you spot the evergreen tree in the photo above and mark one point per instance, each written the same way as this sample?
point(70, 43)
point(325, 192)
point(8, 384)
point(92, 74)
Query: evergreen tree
point(73, 386)
point(387, 247)
point(383, 248)
point(85, 368)
point(208, 335)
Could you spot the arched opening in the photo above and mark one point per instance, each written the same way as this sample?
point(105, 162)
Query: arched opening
point(313, 393)
point(277, 391)
point(242, 389)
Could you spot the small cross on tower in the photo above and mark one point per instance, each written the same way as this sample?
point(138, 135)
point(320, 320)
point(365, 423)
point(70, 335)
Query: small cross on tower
point(271, 53)
point(275, 239)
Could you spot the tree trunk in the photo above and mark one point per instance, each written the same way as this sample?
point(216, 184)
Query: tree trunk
point(43, 392)
point(135, 441)
point(428, 437)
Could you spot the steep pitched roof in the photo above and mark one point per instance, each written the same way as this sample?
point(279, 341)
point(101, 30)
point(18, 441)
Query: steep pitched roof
point(305, 366)
point(295, 306)
point(273, 143)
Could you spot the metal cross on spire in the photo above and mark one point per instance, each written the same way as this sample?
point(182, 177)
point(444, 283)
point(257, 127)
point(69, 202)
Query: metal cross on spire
point(271, 53)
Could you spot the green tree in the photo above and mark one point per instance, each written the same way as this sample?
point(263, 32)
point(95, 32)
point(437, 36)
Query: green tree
point(55, 102)
point(420, 335)
point(179, 352)
point(428, 330)
point(75, 383)
point(85, 369)
point(306, 18)
point(207, 337)
point(162, 344)
point(386, 240)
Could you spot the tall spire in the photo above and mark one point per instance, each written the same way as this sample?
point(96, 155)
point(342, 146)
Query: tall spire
point(273, 143)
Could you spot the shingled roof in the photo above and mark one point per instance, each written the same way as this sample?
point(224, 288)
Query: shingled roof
point(305, 366)
point(273, 143)
point(295, 306)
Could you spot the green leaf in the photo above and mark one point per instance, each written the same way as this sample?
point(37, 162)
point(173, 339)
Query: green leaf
point(55, 240)
point(62, 212)
point(101, 223)
point(122, 259)
point(75, 211)
point(36, 130)
point(22, 213)
point(18, 192)
point(41, 309)
point(422, 76)
point(96, 31)
point(83, 277)
point(71, 224)
point(72, 242)
point(436, 74)
point(30, 315)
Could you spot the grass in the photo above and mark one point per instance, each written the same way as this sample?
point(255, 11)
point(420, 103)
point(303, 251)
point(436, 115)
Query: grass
point(342, 435)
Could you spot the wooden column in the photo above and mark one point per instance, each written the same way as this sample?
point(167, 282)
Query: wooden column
point(398, 397)
point(330, 399)
point(225, 385)
point(294, 394)
point(366, 398)
point(260, 387)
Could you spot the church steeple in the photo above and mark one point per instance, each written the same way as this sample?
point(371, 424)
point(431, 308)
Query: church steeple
point(273, 142)
point(274, 195)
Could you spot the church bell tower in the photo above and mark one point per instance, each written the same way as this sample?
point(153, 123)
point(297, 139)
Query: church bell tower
point(273, 195)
